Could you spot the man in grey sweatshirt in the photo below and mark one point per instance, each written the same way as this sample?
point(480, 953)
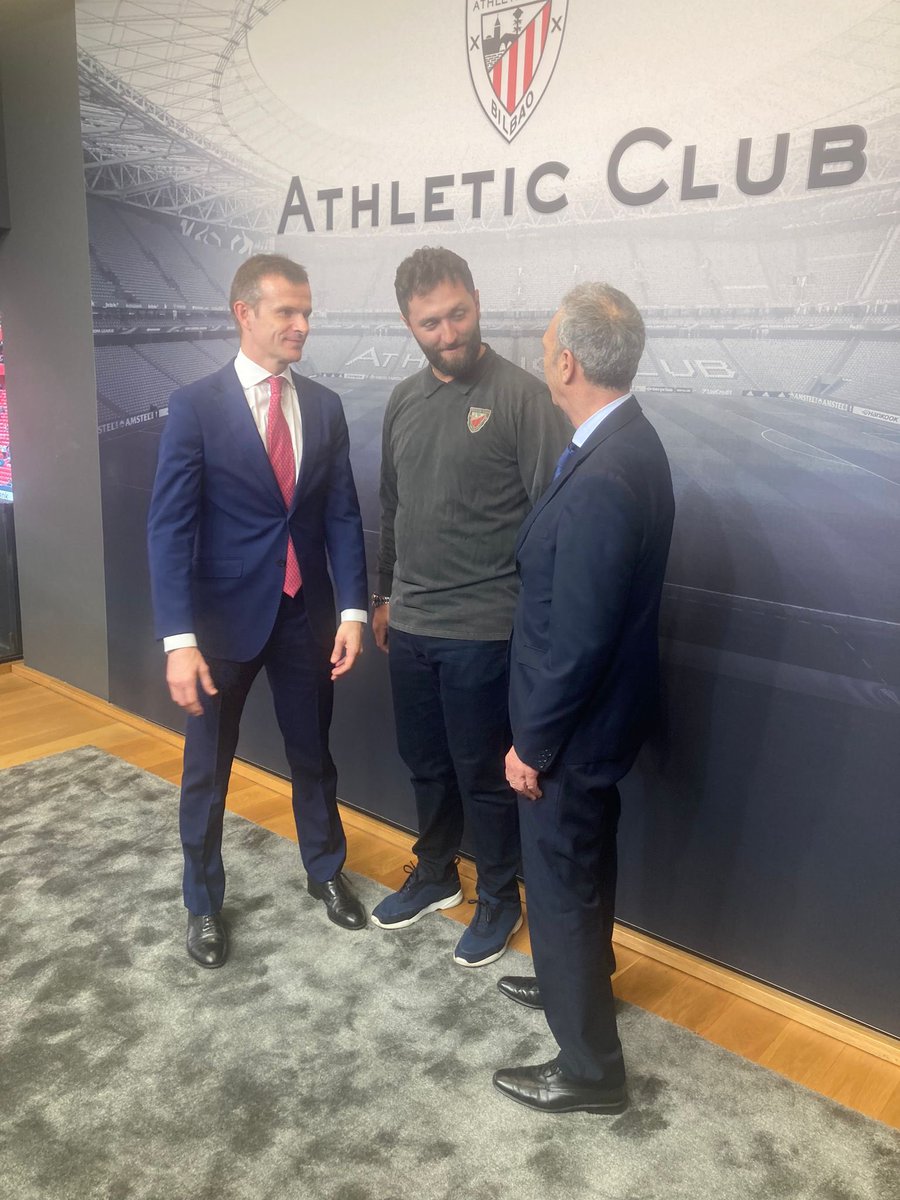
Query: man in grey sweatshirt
point(470, 442)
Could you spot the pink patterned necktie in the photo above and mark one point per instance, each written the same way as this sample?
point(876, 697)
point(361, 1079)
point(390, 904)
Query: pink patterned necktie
point(281, 456)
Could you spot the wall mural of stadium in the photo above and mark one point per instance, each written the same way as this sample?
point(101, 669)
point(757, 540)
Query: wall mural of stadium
point(771, 373)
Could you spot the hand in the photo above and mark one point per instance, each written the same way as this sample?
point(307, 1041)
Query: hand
point(184, 667)
point(381, 619)
point(520, 777)
point(347, 647)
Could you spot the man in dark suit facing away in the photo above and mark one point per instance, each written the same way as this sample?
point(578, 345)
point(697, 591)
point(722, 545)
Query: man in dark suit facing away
point(583, 680)
point(254, 498)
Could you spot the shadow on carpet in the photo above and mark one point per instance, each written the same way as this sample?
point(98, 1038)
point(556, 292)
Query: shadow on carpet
point(322, 1064)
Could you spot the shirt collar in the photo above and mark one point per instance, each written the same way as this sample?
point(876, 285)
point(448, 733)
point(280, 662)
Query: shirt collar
point(586, 428)
point(431, 383)
point(250, 373)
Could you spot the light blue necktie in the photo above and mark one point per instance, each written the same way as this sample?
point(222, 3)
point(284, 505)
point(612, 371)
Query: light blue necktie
point(563, 459)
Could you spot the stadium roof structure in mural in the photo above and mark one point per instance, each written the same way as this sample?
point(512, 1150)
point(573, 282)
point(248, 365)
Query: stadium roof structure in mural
point(181, 112)
point(167, 111)
point(138, 153)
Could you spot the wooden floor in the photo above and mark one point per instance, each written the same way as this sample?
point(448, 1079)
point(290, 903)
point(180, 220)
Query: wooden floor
point(38, 716)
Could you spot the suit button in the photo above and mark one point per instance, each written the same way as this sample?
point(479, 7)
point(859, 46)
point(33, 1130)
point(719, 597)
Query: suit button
point(282, 562)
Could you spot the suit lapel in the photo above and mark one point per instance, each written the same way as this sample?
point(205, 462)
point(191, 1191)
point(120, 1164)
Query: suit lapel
point(610, 425)
point(247, 442)
point(311, 430)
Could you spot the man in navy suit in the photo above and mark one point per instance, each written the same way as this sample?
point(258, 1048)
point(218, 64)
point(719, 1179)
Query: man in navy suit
point(583, 680)
point(254, 498)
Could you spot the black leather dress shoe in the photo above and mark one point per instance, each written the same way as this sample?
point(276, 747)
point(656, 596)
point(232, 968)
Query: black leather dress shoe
point(547, 1089)
point(343, 907)
point(207, 939)
point(521, 988)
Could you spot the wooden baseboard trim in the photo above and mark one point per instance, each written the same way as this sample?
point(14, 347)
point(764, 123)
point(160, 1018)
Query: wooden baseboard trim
point(842, 1029)
point(98, 704)
point(245, 770)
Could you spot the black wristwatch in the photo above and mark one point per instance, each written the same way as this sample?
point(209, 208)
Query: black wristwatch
point(376, 601)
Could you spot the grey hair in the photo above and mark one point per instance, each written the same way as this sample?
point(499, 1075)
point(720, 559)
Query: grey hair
point(604, 332)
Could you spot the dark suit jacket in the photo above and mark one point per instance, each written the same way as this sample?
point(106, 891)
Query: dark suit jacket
point(591, 557)
point(218, 525)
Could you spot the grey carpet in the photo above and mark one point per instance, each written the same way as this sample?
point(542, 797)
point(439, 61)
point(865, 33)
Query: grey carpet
point(321, 1064)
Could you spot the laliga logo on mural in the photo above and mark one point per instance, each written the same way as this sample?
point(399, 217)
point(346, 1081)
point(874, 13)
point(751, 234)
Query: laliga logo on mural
point(513, 48)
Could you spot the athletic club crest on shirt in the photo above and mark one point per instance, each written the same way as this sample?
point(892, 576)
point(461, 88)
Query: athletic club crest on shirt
point(513, 49)
point(478, 418)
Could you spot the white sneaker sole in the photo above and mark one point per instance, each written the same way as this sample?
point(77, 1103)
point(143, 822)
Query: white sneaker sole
point(450, 902)
point(483, 962)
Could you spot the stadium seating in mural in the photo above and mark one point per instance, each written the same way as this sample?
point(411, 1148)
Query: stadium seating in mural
point(725, 314)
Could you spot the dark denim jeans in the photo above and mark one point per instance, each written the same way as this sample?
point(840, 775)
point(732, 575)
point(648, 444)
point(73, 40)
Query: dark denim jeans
point(450, 705)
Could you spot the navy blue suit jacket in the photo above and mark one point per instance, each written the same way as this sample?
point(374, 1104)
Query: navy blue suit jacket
point(218, 525)
point(591, 557)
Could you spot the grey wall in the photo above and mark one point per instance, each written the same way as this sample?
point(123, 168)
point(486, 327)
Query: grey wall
point(46, 304)
point(4, 190)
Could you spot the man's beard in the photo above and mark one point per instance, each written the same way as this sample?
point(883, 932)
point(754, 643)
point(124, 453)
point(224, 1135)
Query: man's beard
point(458, 366)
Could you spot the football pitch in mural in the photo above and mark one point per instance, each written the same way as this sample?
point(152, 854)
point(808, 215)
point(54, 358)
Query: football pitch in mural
point(736, 175)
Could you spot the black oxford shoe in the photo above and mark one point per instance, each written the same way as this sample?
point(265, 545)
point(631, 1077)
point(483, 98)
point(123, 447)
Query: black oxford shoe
point(521, 988)
point(207, 939)
point(343, 907)
point(547, 1089)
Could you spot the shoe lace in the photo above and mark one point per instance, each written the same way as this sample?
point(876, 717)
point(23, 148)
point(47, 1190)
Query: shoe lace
point(484, 913)
point(412, 875)
point(412, 872)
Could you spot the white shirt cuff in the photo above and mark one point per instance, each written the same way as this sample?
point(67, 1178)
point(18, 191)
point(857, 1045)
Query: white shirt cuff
point(178, 641)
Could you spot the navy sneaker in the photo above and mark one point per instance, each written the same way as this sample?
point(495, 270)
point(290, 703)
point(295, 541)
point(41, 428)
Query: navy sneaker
point(489, 933)
point(416, 899)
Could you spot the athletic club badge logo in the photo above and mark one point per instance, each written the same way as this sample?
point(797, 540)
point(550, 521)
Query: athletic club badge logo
point(513, 48)
point(478, 418)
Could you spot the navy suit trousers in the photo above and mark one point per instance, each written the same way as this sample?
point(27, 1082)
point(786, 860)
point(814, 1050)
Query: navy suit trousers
point(569, 860)
point(299, 675)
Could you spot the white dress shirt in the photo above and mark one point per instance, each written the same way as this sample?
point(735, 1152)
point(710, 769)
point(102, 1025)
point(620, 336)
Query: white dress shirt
point(255, 382)
point(254, 379)
point(586, 428)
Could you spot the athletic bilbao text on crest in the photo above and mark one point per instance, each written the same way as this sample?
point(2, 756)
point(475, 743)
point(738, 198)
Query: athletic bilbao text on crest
point(513, 48)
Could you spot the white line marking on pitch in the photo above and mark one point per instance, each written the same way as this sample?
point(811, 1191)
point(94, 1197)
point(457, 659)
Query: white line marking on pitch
point(823, 455)
point(820, 612)
point(818, 453)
